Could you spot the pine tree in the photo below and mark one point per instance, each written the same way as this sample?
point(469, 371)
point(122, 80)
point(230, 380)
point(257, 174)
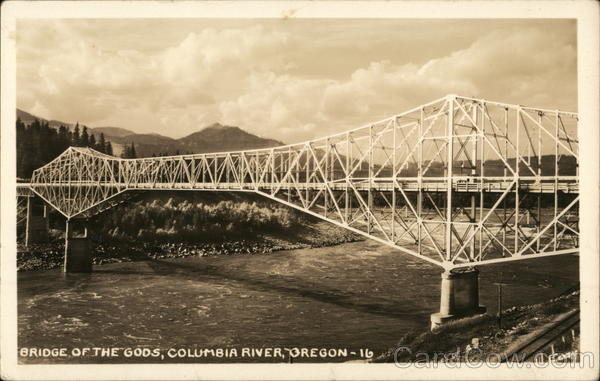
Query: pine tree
point(63, 138)
point(129, 152)
point(102, 143)
point(93, 142)
point(85, 138)
point(76, 138)
point(108, 150)
point(21, 149)
point(37, 144)
point(126, 152)
point(20, 125)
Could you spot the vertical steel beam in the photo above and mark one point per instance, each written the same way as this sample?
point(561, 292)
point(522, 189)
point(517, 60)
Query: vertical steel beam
point(449, 165)
point(420, 142)
point(517, 181)
point(539, 174)
point(473, 218)
point(504, 202)
point(556, 172)
point(482, 158)
point(347, 183)
point(394, 149)
point(369, 189)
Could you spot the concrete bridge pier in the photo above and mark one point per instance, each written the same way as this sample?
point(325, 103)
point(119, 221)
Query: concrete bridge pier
point(37, 226)
point(459, 296)
point(78, 252)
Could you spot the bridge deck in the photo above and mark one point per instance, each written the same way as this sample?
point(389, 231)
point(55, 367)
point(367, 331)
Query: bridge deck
point(382, 185)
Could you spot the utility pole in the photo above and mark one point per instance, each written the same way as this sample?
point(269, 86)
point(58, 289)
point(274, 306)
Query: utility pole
point(499, 284)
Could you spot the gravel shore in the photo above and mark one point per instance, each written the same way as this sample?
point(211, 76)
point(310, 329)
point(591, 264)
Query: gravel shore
point(51, 255)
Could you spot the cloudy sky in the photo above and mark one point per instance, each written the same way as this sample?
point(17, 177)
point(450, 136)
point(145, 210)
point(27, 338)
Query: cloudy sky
point(286, 79)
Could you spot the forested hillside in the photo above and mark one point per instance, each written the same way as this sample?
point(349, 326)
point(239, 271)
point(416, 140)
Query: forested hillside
point(38, 143)
point(57, 136)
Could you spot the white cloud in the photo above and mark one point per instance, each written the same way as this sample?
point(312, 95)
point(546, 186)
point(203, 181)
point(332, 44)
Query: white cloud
point(75, 78)
point(241, 76)
point(72, 76)
point(218, 61)
point(276, 104)
point(528, 66)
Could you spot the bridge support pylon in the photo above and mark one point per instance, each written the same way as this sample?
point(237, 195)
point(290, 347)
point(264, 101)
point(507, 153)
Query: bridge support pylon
point(37, 226)
point(78, 252)
point(459, 296)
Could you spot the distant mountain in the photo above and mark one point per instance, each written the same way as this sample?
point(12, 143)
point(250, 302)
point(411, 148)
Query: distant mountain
point(25, 116)
point(28, 118)
point(213, 138)
point(113, 131)
point(217, 137)
point(148, 144)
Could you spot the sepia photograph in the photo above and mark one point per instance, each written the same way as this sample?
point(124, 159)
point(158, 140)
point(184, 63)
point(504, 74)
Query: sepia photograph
point(220, 184)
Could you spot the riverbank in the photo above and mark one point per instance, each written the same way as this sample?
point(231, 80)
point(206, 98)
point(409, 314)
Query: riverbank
point(317, 234)
point(489, 337)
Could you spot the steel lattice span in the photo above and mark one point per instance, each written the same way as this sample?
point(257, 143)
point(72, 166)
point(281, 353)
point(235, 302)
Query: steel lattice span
point(457, 182)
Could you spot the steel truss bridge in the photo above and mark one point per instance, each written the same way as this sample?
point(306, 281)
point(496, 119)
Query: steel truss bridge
point(457, 182)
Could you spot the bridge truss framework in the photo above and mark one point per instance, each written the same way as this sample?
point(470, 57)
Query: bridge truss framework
point(457, 182)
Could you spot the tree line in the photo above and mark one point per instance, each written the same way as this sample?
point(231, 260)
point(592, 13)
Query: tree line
point(167, 153)
point(38, 144)
point(129, 152)
point(178, 219)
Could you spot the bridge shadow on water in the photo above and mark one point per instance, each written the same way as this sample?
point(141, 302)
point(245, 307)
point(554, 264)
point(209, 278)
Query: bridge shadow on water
point(394, 306)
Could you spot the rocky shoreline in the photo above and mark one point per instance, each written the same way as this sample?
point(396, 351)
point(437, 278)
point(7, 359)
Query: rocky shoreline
point(51, 255)
point(447, 342)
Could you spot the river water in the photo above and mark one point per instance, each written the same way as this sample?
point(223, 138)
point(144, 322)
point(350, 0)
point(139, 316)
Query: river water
point(354, 296)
